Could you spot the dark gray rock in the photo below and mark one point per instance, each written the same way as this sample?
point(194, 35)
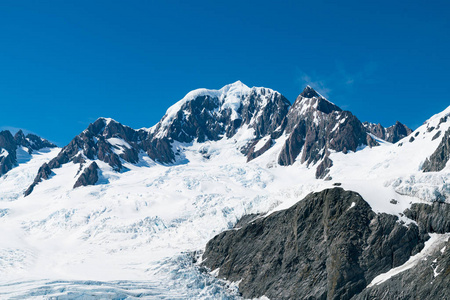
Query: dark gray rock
point(437, 134)
point(392, 134)
point(316, 126)
point(44, 173)
point(293, 145)
point(203, 118)
point(8, 154)
point(418, 282)
point(254, 153)
point(93, 143)
point(328, 246)
point(324, 167)
point(89, 176)
point(421, 281)
point(32, 141)
point(437, 161)
point(431, 218)
point(160, 150)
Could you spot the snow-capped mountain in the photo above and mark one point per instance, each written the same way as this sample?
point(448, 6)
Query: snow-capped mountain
point(255, 117)
point(124, 212)
point(19, 147)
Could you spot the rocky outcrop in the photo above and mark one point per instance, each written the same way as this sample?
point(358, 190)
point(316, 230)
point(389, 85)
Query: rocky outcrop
point(7, 152)
point(9, 145)
point(438, 160)
point(392, 134)
point(330, 245)
point(44, 173)
point(89, 176)
point(316, 126)
point(430, 277)
point(105, 140)
point(257, 150)
point(31, 141)
point(433, 218)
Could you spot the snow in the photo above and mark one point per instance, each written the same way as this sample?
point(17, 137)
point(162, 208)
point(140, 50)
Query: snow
point(118, 145)
point(435, 241)
point(261, 143)
point(4, 153)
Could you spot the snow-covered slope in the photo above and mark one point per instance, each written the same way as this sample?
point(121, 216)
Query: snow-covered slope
point(133, 231)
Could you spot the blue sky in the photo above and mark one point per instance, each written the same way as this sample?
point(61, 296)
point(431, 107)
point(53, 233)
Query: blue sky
point(65, 63)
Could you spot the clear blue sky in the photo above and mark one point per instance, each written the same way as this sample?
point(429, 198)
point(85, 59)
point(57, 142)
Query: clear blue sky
point(65, 63)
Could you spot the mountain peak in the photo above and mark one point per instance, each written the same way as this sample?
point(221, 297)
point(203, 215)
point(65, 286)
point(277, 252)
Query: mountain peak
point(309, 92)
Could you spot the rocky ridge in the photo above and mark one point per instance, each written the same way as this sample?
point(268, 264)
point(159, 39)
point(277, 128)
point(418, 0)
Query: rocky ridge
point(315, 126)
point(439, 159)
point(10, 144)
point(312, 127)
point(391, 134)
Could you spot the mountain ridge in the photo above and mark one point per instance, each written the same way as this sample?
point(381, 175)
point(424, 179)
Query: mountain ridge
point(313, 125)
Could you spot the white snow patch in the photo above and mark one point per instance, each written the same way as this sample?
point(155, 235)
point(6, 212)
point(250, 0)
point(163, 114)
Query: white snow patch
point(4, 153)
point(261, 143)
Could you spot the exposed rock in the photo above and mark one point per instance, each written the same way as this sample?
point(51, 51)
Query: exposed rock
point(392, 134)
point(7, 152)
point(420, 282)
point(438, 134)
point(438, 160)
point(293, 145)
point(431, 218)
point(31, 141)
point(159, 150)
point(44, 173)
point(328, 246)
point(254, 153)
point(209, 115)
point(316, 126)
point(324, 167)
point(430, 277)
point(89, 176)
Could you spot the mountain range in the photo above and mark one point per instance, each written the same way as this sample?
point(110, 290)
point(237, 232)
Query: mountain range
point(237, 193)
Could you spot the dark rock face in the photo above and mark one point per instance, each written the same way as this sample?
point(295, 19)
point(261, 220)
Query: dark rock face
point(437, 161)
point(324, 168)
point(328, 246)
point(89, 176)
point(254, 152)
point(434, 218)
point(421, 281)
point(9, 145)
point(44, 173)
point(392, 134)
point(418, 282)
point(7, 152)
point(105, 140)
point(32, 141)
point(316, 126)
point(206, 117)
